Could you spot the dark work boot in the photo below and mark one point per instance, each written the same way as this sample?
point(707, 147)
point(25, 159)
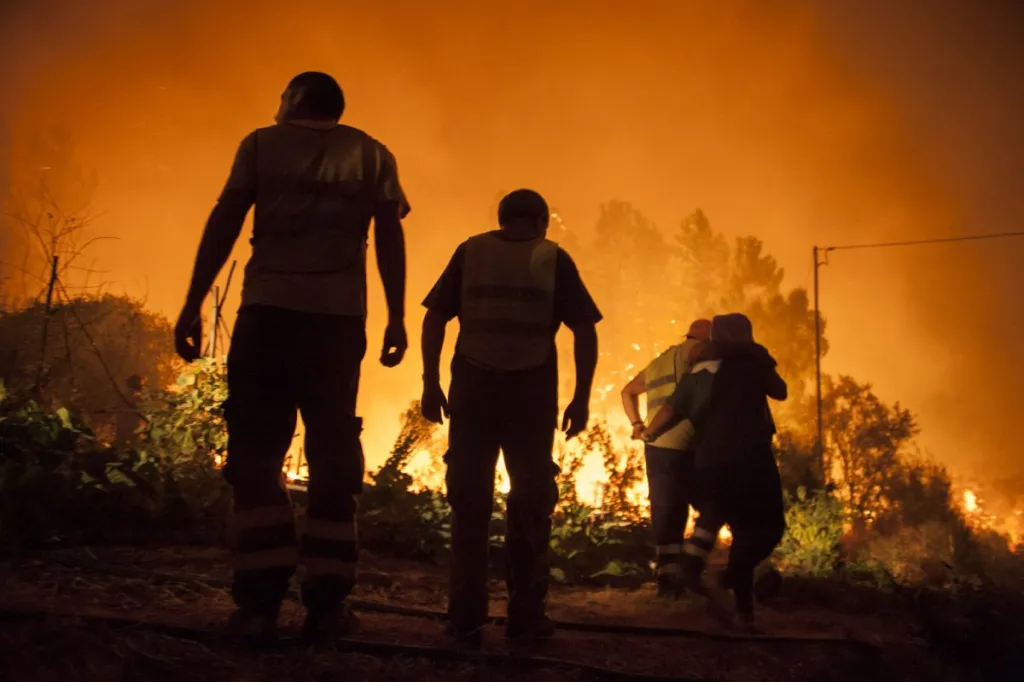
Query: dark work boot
point(539, 630)
point(323, 627)
point(669, 587)
point(257, 630)
point(691, 572)
point(472, 638)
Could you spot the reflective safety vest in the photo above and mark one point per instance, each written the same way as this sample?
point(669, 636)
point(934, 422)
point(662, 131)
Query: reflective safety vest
point(508, 295)
point(314, 203)
point(660, 380)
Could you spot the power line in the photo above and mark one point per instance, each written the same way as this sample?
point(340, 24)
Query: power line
point(817, 263)
point(914, 242)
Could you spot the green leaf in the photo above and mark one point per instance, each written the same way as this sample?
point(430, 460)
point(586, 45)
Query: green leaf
point(615, 568)
point(557, 574)
point(65, 417)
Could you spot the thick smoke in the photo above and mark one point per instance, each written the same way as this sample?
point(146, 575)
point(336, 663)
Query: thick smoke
point(842, 125)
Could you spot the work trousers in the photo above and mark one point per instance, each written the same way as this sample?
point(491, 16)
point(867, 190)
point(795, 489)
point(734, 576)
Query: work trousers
point(670, 482)
point(283, 362)
point(513, 415)
point(747, 495)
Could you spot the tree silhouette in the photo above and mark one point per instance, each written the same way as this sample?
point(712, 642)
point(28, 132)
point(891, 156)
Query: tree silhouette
point(864, 446)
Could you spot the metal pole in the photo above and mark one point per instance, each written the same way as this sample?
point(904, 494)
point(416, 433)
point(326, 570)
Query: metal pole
point(46, 320)
point(819, 444)
point(216, 318)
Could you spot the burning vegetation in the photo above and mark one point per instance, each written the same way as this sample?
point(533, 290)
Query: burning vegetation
point(90, 459)
point(870, 514)
point(877, 494)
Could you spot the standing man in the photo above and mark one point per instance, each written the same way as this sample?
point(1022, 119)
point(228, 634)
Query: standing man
point(668, 457)
point(511, 290)
point(725, 395)
point(298, 343)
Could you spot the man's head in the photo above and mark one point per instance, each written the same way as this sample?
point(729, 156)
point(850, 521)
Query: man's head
point(732, 328)
point(700, 330)
point(525, 213)
point(311, 95)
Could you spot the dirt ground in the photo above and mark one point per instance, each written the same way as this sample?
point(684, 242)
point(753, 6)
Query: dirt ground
point(854, 643)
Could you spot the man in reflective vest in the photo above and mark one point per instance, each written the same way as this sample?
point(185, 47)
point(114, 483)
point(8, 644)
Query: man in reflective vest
point(511, 290)
point(298, 344)
point(669, 458)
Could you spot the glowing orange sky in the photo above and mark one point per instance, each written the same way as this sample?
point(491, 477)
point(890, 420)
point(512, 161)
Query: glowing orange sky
point(793, 125)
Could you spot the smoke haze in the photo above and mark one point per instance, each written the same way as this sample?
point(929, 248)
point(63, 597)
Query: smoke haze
point(833, 124)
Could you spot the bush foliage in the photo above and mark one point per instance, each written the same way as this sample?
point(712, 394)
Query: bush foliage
point(60, 484)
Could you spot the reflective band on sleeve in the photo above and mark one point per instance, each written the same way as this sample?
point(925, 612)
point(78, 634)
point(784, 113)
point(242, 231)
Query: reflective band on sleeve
point(661, 381)
point(703, 534)
point(662, 550)
point(694, 550)
point(654, 404)
point(668, 569)
point(342, 531)
point(263, 516)
point(270, 558)
point(321, 566)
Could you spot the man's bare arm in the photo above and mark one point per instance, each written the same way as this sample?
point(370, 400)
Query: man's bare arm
point(631, 398)
point(390, 249)
point(662, 420)
point(585, 352)
point(431, 343)
point(219, 237)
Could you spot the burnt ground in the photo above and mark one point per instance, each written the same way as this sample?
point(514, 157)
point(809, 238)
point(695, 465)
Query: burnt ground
point(83, 637)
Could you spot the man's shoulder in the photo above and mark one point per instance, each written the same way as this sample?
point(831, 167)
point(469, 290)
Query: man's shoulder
point(382, 149)
point(684, 347)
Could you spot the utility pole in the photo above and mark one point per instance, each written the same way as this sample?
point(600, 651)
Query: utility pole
point(819, 443)
point(817, 253)
point(215, 328)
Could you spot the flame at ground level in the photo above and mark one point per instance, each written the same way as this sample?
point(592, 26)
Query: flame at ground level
point(427, 469)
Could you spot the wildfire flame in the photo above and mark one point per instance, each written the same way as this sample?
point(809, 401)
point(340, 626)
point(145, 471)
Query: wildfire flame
point(981, 517)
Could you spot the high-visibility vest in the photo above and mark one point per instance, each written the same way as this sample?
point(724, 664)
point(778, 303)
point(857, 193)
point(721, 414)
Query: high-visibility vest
point(314, 204)
point(508, 296)
point(660, 380)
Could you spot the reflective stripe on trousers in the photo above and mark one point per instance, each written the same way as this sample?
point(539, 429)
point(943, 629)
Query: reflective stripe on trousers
point(329, 549)
point(264, 537)
point(667, 558)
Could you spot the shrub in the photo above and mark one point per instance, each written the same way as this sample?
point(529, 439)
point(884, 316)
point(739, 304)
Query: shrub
point(814, 531)
point(80, 355)
point(59, 485)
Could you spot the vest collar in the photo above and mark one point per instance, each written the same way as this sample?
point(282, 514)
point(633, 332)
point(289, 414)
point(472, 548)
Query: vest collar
point(309, 123)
